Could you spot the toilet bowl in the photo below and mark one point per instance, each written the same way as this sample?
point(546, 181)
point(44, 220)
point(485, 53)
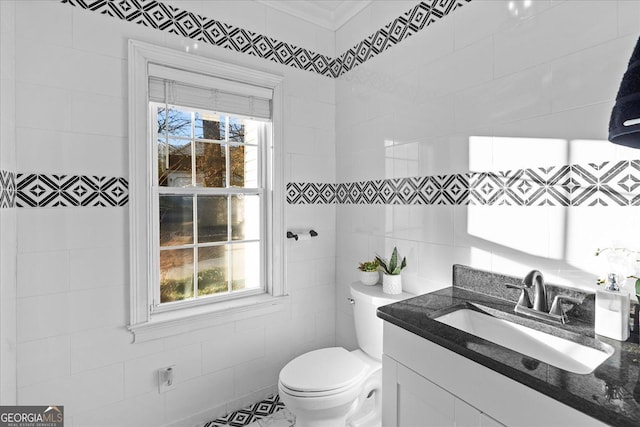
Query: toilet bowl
point(328, 387)
point(334, 387)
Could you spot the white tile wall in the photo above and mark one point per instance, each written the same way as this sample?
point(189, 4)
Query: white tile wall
point(8, 287)
point(199, 394)
point(43, 360)
point(525, 45)
point(71, 153)
point(141, 374)
point(47, 21)
point(499, 93)
point(478, 90)
point(43, 107)
point(8, 307)
point(72, 293)
point(375, 16)
point(85, 391)
point(42, 273)
point(139, 411)
point(231, 347)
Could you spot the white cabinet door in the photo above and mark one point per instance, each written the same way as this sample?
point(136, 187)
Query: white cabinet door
point(421, 403)
point(466, 415)
point(487, 421)
point(410, 400)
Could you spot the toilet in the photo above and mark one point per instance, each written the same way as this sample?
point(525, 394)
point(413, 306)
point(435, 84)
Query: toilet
point(334, 387)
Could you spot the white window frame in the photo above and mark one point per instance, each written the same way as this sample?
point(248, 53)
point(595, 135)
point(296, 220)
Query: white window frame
point(144, 323)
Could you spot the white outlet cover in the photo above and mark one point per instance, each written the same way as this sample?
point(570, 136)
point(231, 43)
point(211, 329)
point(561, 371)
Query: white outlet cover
point(163, 375)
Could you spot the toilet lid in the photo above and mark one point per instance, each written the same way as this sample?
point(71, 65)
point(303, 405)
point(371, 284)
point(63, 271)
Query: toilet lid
point(322, 370)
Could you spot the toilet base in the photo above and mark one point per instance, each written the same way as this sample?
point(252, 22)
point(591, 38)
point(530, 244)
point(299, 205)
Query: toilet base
point(369, 414)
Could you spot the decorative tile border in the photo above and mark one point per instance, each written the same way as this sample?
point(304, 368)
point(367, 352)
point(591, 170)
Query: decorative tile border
point(593, 184)
point(155, 14)
point(40, 190)
point(418, 18)
point(601, 184)
point(7, 189)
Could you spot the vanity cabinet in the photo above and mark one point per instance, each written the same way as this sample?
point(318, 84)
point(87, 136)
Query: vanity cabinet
point(424, 384)
point(419, 402)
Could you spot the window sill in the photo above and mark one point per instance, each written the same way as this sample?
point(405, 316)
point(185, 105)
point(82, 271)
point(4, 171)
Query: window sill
point(178, 322)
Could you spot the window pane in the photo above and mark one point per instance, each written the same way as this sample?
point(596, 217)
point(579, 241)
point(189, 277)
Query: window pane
point(210, 126)
point(236, 129)
point(176, 220)
point(244, 166)
point(245, 217)
point(161, 119)
point(212, 219)
point(245, 259)
point(176, 275)
point(211, 164)
point(163, 162)
point(212, 270)
point(174, 171)
point(178, 123)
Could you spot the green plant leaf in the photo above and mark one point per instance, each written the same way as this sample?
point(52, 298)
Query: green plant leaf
point(382, 263)
point(393, 262)
point(392, 267)
point(638, 290)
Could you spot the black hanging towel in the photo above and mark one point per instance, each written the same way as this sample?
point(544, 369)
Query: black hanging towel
point(624, 127)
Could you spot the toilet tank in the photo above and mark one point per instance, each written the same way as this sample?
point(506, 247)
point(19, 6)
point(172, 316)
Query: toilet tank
point(368, 325)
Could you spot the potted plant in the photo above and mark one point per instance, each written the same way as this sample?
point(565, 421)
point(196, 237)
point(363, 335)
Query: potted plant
point(369, 272)
point(391, 269)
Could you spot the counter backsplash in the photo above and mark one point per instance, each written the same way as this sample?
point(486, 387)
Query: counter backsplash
point(494, 284)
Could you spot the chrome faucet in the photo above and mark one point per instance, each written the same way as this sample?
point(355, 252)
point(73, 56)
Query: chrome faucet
point(539, 307)
point(536, 280)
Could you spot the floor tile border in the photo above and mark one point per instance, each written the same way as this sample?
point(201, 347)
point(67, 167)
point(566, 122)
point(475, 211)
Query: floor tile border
point(248, 415)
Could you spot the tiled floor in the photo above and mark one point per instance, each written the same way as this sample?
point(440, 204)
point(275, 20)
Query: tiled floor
point(268, 413)
point(282, 418)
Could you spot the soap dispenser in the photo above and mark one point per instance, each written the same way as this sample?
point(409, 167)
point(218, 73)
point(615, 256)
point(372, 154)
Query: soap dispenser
point(612, 311)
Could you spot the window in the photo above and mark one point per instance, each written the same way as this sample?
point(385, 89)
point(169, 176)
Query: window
point(205, 188)
point(208, 199)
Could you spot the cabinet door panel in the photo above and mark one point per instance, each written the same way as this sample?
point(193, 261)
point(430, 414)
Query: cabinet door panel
point(422, 403)
point(487, 421)
point(466, 415)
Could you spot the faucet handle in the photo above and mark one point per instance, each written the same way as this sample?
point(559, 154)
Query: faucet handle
point(524, 296)
point(556, 306)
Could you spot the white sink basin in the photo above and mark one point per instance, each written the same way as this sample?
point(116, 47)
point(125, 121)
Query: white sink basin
point(547, 348)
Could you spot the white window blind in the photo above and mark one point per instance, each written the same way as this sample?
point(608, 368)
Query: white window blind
point(189, 89)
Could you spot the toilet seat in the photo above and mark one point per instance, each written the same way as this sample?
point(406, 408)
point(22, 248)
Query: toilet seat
point(323, 372)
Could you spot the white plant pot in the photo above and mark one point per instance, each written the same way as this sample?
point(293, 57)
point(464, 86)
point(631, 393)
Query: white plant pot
point(369, 277)
point(392, 284)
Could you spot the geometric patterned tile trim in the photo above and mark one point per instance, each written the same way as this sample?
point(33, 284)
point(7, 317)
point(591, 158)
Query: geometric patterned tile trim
point(592, 184)
point(174, 20)
point(248, 415)
point(310, 193)
point(7, 189)
point(406, 25)
point(41, 190)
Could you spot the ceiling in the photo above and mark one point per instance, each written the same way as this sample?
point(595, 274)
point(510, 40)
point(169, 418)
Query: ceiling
point(330, 14)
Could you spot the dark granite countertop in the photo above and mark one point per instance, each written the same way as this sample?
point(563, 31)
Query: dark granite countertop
point(611, 393)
